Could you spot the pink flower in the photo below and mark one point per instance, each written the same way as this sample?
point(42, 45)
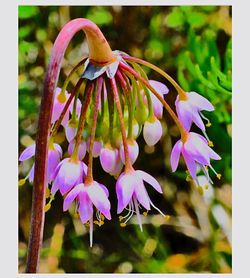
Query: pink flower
point(59, 103)
point(152, 132)
point(131, 192)
point(189, 110)
point(195, 152)
point(54, 157)
point(88, 195)
point(108, 158)
point(133, 150)
point(68, 174)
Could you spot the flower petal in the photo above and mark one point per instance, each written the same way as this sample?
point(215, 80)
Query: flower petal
point(71, 196)
point(142, 195)
point(124, 190)
point(70, 133)
point(85, 207)
point(149, 179)
point(59, 149)
point(28, 152)
point(99, 198)
point(31, 173)
point(184, 112)
point(175, 155)
point(191, 165)
point(159, 87)
point(200, 102)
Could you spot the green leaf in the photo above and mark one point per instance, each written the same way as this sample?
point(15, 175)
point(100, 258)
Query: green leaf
point(25, 12)
point(175, 19)
point(24, 31)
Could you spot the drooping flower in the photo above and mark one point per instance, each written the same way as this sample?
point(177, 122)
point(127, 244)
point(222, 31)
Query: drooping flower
point(58, 105)
point(108, 157)
point(131, 193)
point(88, 195)
point(68, 174)
point(196, 153)
point(189, 110)
point(152, 132)
point(54, 157)
point(133, 150)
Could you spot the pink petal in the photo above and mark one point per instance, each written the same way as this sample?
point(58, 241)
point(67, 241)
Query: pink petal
point(184, 112)
point(124, 190)
point(59, 149)
point(142, 195)
point(99, 198)
point(28, 152)
point(159, 87)
point(191, 165)
point(133, 150)
point(108, 159)
point(71, 196)
point(200, 102)
point(81, 149)
point(198, 121)
point(53, 161)
point(175, 155)
point(149, 179)
point(85, 207)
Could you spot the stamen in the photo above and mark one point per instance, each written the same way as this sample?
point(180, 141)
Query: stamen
point(205, 171)
point(137, 213)
point(218, 175)
point(151, 203)
point(21, 182)
point(208, 124)
point(123, 225)
point(145, 213)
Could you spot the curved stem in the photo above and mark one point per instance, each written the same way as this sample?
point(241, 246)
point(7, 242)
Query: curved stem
point(180, 91)
point(100, 52)
point(161, 99)
point(128, 165)
point(89, 177)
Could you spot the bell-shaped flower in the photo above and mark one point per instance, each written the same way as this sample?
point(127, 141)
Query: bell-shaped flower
point(71, 130)
point(81, 149)
point(189, 110)
point(68, 173)
point(196, 154)
point(133, 150)
point(108, 157)
point(86, 196)
point(152, 131)
point(131, 193)
point(59, 103)
point(54, 157)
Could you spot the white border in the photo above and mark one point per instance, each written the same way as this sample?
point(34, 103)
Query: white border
point(9, 133)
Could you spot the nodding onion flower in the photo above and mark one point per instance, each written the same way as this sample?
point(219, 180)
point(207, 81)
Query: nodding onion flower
point(112, 102)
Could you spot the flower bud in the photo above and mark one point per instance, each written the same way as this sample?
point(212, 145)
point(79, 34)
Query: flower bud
point(152, 132)
point(108, 158)
point(81, 149)
point(96, 148)
point(133, 151)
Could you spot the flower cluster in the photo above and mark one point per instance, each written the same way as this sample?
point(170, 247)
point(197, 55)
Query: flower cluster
point(111, 105)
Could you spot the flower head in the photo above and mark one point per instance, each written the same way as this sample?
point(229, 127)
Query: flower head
point(189, 110)
point(54, 157)
point(68, 174)
point(88, 195)
point(131, 193)
point(152, 132)
point(195, 152)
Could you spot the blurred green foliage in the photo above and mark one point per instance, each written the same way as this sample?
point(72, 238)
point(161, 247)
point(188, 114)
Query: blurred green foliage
point(193, 44)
